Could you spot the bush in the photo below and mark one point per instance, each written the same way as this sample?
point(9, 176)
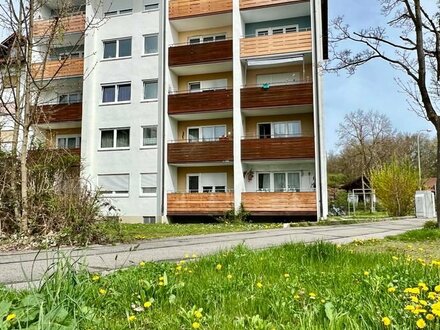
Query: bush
point(430, 225)
point(233, 216)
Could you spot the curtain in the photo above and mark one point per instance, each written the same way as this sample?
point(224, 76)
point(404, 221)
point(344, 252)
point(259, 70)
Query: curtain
point(193, 134)
point(293, 129)
point(107, 139)
point(122, 138)
point(279, 181)
point(108, 94)
point(150, 90)
point(124, 92)
point(279, 129)
point(208, 133)
point(293, 182)
point(150, 136)
point(264, 182)
point(151, 44)
point(219, 131)
point(109, 49)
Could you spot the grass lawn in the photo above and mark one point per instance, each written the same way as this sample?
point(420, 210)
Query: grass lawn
point(318, 286)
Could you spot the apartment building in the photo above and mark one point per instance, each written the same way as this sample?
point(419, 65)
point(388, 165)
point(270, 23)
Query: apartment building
point(187, 109)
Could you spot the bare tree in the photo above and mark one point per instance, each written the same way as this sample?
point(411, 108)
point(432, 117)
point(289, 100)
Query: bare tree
point(409, 42)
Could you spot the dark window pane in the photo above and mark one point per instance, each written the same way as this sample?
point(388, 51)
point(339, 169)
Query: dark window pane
point(124, 47)
point(122, 138)
point(150, 90)
point(150, 46)
point(149, 136)
point(109, 49)
point(124, 92)
point(193, 184)
point(108, 94)
point(107, 139)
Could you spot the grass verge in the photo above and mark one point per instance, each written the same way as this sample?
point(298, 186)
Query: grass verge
point(317, 286)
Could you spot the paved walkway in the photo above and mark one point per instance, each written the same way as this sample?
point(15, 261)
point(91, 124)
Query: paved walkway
point(19, 268)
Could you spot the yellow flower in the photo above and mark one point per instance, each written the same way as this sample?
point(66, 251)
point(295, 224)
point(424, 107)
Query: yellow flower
point(161, 278)
point(196, 325)
point(95, 278)
point(414, 299)
point(259, 285)
point(386, 321)
point(218, 267)
point(437, 288)
point(131, 318)
point(286, 275)
point(148, 304)
point(11, 317)
point(391, 290)
point(179, 268)
point(432, 295)
point(198, 314)
point(142, 264)
point(102, 291)
point(409, 308)
point(194, 255)
point(366, 273)
point(229, 276)
point(421, 323)
point(430, 317)
point(161, 283)
point(423, 302)
point(395, 258)
point(296, 297)
point(312, 295)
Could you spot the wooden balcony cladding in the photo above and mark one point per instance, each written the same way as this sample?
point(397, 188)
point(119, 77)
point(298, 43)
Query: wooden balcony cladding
point(72, 24)
point(294, 42)
point(246, 4)
point(59, 69)
point(193, 102)
point(200, 152)
point(277, 96)
point(278, 148)
point(280, 204)
point(208, 52)
point(205, 204)
point(58, 113)
point(188, 8)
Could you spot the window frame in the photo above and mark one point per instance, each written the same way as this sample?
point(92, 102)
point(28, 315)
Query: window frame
point(148, 146)
point(114, 193)
point(272, 135)
point(200, 128)
point(118, 12)
point(115, 137)
point(270, 30)
point(116, 86)
point(201, 189)
point(272, 181)
point(151, 35)
point(68, 97)
point(146, 81)
point(117, 57)
point(141, 193)
point(201, 37)
point(152, 9)
point(69, 136)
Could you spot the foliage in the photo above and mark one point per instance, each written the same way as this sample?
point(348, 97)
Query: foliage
point(430, 225)
point(395, 185)
point(235, 216)
point(298, 286)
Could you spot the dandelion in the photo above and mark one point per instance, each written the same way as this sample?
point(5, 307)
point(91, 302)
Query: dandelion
point(414, 299)
point(161, 278)
point(432, 295)
point(95, 278)
point(186, 255)
point(102, 291)
point(286, 276)
point(161, 283)
point(437, 288)
point(196, 325)
point(218, 267)
point(296, 297)
point(11, 317)
point(229, 277)
point(142, 264)
point(386, 321)
point(259, 285)
point(409, 308)
point(312, 295)
point(430, 317)
point(179, 268)
point(131, 318)
point(391, 289)
point(395, 258)
point(198, 314)
point(148, 304)
point(366, 273)
point(423, 302)
point(421, 323)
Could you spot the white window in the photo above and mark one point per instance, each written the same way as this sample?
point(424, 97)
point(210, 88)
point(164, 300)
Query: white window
point(209, 38)
point(71, 55)
point(119, 7)
point(279, 129)
point(68, 141)
point(150, 5)
point(148, 184)
point(149, 219)
point(149, 136)
point(206, 183)
point(150, 90)
point(206, 133)
point(117, 138)
point(114, 185)
point(120, 92)
point(279, 182)
point(70, 98)
point(118, 48)
point(214, 84)
point(276, 30)
point(151, 43)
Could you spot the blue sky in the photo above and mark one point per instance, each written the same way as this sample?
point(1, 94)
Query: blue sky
point(371, 87)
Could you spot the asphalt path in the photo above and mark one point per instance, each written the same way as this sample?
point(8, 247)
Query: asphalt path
point(19, 269)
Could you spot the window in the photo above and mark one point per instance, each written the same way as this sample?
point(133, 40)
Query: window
point(150, 5)
point(279, 129)
point(148, 184)
point(276, 30)
point(203, 39)
point(116, 93)
point(117, 48)
point(68, 142)
point(114, 184)
point(194, 86)
point(118, 12)
point(69, 98)
point(149, 220)
point(213, 84)
point(149, 136)
point(206, 133)
point(277, 78)
point(150, 90)
point(151, 44)
point(115, 138)
point(279, 182)
point(206, 183)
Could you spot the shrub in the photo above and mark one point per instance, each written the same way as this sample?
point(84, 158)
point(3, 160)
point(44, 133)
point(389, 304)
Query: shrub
point(430, 225)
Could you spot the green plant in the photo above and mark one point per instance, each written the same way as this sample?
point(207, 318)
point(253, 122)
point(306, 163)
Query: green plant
point(430, 225)
point(235, 216)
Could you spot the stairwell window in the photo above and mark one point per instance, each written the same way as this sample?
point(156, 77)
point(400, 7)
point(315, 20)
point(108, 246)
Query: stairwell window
point(148, 184)
point(119, 48)
point(114, 185)
point(151, 5)
point(117, 138)
point(149, 136)
point(114, 93)
point(150, 90)
point(151, 44)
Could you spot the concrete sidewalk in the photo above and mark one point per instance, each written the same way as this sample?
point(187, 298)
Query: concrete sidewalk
point(19, 268)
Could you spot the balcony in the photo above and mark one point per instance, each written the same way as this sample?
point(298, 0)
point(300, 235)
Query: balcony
point(72, 24)
point(189, 8)
point(280, 203)
point(196, 102)
point(57, 113)
point(209, 52)
point(203, 204)
point(287, 43)
point(282, 148)
point(185, 152)
point(246, 4)
point(59, 69)
point(277, 96)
